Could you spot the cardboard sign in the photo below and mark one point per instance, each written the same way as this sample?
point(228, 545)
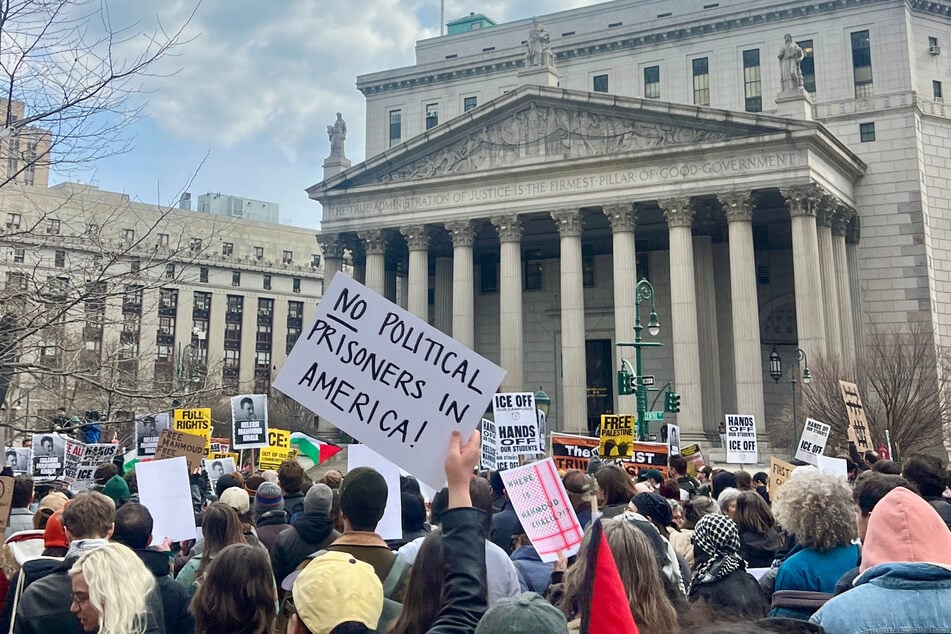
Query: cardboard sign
point(249, 421)
point(617, 436)
point(858, 424)
point(490, 439)
point(388, 378)
point(6, 501)
point(673, 438)
point(542, 505)
point(196, 422)
point(173, 443)
point(148, 428)
point(815, 434)
point(81, 462)
point(573, 452)
point(164, 489)
point(516, 423)
point(49, 451)
point(391, 524)
point(648, 455)
point(779, 472)
point(741, 439)
point(694, 459)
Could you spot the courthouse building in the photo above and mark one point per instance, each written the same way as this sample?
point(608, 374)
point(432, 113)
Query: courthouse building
point(777, 192)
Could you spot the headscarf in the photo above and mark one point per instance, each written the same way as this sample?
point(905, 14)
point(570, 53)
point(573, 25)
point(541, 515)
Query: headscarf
point(719, 539)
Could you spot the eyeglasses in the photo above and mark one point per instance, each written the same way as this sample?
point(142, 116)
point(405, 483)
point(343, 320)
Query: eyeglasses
point(288, 607)
point(80, 599)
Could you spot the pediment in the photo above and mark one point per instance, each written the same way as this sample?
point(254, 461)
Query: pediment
point(537, 125)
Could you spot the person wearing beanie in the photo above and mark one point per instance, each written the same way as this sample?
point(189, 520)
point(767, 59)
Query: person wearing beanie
point(312, 531)
point(270, 519)
point(526, 614)
point(722, 480)
point(333, 479)
point(252, 484)
point(117, 489)
point(270, 475)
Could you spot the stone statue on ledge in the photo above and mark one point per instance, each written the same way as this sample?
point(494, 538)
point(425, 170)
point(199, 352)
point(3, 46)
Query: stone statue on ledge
point(539, 47)
point(789, 72)
point(338, 134)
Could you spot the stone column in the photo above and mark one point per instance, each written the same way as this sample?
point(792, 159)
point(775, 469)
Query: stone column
point(375, 246)
point(462, 233)
point(417, 241)
point(707, 332)
point(623, 218)
point(510, 301)
point(442, 292)
point(843, 290)
point(810, 323)
point(852, 235)
point(747, 353)
point(332, 247)
point(683, 316)
point(574, 381)
point(830, 292)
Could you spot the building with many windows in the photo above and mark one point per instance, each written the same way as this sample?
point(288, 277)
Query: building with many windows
point(117, 302)
point(777, 170)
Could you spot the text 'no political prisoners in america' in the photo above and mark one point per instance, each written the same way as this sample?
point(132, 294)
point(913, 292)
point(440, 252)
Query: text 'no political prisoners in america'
point(385, 376)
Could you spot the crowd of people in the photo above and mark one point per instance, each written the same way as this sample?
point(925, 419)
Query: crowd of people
point(661, 553)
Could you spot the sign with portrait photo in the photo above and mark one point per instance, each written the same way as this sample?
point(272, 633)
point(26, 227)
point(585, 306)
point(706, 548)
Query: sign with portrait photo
point(249, 421)
point(20, 459)
point(148, 428)
point(217, 467)
point(49, 452)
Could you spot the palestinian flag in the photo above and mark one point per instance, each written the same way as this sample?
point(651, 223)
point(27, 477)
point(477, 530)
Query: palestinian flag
point(316, 450)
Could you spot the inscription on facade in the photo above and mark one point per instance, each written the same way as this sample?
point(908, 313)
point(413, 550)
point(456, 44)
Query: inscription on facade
point(673, 173)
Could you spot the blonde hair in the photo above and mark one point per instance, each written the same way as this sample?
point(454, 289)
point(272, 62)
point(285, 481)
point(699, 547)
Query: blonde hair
point(119, 584)
point(817, 509)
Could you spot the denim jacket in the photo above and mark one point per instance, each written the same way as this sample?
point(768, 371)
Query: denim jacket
point(892, 597)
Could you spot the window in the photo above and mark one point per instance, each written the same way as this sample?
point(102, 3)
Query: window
point(59, 259)
point(258, 253)
point(315, 260)
point(166, 326)
point(203, 274)
point(287, 257)
point(587, 270)
point(267, 282)
point(432, 115)
point(170, 271)
point(135, 266)
point(866, 132)
point(862, 63)
point(295, 285)
point(533, 275)
point(396, 127)
point(489, 282)
point(53, 226)
point(13, 221)
point(163, 240)
point(808, 66)
point(227, 249)
point(295, 310)
point(236, 278)
point(265, 306)
point(469, 103)
point(128, 236)
point(19, 255)
point(751, 81)
point(232, 358)
point(232, 330)
point(933, 47)
point(202, 301)
point(599, 83)
point(235, 303)
point(168, 298)
point(936, 89)
point(652, 82)
point(701, 81)
point(195, 244)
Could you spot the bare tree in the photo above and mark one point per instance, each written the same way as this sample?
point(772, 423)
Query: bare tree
point(70, 81)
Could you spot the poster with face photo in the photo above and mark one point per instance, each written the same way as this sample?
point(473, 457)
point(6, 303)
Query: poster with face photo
point(49, 451)
point(249, 421)
point(20, 459)
point(218, 467)
point(148, 428)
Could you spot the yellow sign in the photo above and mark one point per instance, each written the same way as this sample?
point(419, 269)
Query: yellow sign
point(278, 451)
point(617, 436)
point(226, 454)
point(279, 438)
point(196, 422)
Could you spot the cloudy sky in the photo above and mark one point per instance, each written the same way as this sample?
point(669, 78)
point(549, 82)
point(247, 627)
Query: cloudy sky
point(256, 87)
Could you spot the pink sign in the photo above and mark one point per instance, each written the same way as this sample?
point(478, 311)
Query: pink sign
point(542, 505)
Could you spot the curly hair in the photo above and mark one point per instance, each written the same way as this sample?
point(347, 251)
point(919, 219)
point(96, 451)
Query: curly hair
point(817, 510)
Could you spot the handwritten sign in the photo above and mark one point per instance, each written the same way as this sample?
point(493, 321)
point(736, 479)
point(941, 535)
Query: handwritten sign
point(858, 424)
point(573, 452)
point(779, 472)
point(172, 444)
point(815, 434)
point(6, 501)
point(196, 422)
point(388, 378)
point(516, 422)
point(617, 436)
point(542, 505)
point(741, 439)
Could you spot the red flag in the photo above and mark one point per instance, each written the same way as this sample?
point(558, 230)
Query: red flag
point(608, 611)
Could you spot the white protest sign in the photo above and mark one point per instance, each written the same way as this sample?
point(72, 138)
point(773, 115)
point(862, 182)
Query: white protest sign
point(517, 423)
point(490, 441)
point(165, 491)
point(673, 438)
point(388, 378)
point(813, 441)
point(81, 461)
point(391, 524)
point(249, 421)
point(541, 502)
point(741, 439)
point(837, 467)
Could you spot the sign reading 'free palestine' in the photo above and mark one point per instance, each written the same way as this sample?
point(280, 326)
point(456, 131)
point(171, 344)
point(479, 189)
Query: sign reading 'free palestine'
point(388, 378)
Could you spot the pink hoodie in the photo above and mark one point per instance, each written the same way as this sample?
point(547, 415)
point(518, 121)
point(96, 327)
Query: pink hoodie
point(903, 527)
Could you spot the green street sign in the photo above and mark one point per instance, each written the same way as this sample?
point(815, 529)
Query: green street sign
point(653, 416)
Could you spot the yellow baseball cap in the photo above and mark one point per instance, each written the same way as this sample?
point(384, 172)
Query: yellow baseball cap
point(336, 588)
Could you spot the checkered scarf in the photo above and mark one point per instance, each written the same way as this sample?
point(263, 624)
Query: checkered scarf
point(719, 539)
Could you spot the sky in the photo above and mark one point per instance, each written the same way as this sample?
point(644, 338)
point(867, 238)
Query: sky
point(242, 107)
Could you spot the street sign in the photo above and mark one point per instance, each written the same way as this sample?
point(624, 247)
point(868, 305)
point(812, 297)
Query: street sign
point(653, 416)
point(647, 380)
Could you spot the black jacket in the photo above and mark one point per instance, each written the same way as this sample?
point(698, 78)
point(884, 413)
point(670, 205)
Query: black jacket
point(175, 598)
point(293, 504)
point(759, 550)
point(32, 570)
point(943, 507)
point(736, 594)
point(310, 533)
point(466, 591)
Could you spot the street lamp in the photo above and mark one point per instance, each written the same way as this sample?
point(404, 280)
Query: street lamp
point(542, 405)
point(642, 291)
point(776, 372)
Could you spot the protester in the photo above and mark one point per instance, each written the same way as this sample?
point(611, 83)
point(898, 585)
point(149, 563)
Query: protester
point(677, 466)
point(504, 521)
point(726, 501)
point(720, 481)
point(26, 563)
point(238, 594)
point(761, 485)
point(290, 476)
point(117, 489)
point(52, 502)
point(238, 499)
point(220, 527)
point(21, 517)
point(705, 478)
point(698, 507)
point(929, 474)
point(678, 536)
point(526, 614)
point(270, 518)
point(581, 489)
point(534, 575)
point(905, 580)
point(720, 578)
point(614, 491)
point(312, 531)
point(888, 467)
point(133, 529)
point(744, 480)
point(760, 542)
point(413, 515)
point(653, 510)
point(649, 481)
